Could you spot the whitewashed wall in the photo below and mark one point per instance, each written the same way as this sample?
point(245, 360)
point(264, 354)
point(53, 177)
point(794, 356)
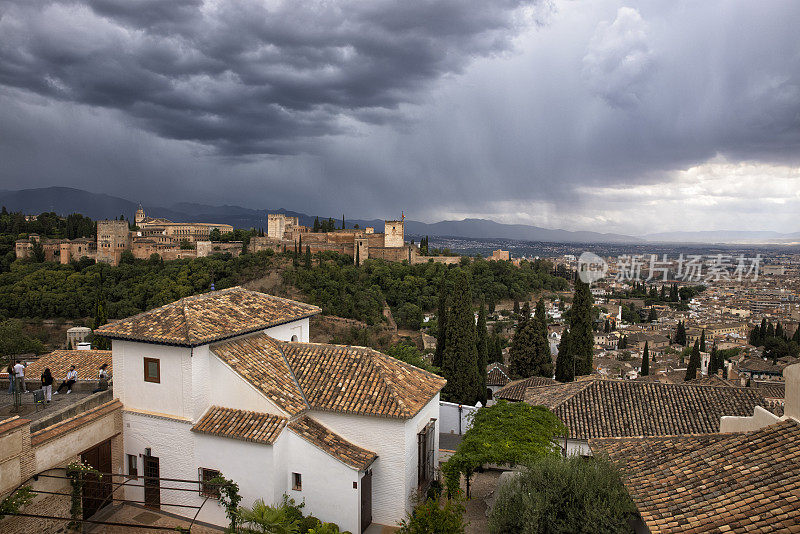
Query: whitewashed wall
point(172, 441)
point(172, 396)
point(387, 438)
point(227, 388)
point(285, 332)
point(248, 464)
point(449, 417)
point(327, 483)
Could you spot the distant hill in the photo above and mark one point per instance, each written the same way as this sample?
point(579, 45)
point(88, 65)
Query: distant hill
point(65, 200)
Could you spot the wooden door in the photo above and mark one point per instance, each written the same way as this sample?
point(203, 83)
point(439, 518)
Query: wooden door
point(152, 488)
point(96, 489)
point(366, 500)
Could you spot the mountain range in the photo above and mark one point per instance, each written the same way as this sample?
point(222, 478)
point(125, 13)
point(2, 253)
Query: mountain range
point(65, 200)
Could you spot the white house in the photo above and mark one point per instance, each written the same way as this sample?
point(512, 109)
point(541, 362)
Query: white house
point(227, 382)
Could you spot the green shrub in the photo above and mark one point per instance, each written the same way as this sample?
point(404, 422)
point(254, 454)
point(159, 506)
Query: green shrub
point(557, 495)
point(432, 516)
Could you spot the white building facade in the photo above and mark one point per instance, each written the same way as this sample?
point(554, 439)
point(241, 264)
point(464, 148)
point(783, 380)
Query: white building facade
point(228, 382)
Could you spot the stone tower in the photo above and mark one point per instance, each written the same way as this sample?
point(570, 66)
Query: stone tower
point(361, 252)
point(139, 219)
point(113, 237)
point(394, 235)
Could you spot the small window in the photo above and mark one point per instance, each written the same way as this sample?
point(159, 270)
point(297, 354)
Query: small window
point(297, 481)
point(133, 466)
point(152, 370)
point(206, 489)
point(294, 338)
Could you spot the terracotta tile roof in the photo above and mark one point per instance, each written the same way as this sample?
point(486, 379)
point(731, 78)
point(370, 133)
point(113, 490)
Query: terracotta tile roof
point(333, 444)
point(259, 359)
point(770, 388)
point(208, 317)
point(712, 380)
point(87, 363)
point(515, 391)
point(240, 424)
point(497, 374)
point(600, 408)
point(359, 380)
point(743, 482)
point(758, 365)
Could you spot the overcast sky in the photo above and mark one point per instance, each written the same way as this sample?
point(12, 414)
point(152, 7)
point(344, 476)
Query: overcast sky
point(633, 117)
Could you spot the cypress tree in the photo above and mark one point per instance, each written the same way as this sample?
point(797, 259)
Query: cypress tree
point(680, 334)
point(581, 332)
point(524, 315)
point(441, 319)
point(520, 355)
point(652, 316)
point(713, 364)
point(498, 348)
point(482, 348)
point(646, 360)
point(516, 308)
point(607, 327)
point(623, 343)
point(796, 336)
point(754, 336)
point(459, 358)
point(100, 318)
point(779, 331)
point(308, 257)
point(762, 331)
point(703, 340)
point(694, 362)
point(565, 364)
point(770, 330)
point(542, 361)
point(358, 256)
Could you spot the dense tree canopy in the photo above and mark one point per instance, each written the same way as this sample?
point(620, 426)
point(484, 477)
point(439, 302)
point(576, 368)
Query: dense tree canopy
point(52, 290)
point(559, 495)
point(343, 289)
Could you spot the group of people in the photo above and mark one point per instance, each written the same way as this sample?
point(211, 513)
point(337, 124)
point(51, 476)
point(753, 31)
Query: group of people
point(16, 375)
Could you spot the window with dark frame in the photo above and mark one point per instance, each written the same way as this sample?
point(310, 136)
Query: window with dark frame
point(297, 481)
point(152, 370)
point(133, 466)
point(426, 442)
point(208, 490)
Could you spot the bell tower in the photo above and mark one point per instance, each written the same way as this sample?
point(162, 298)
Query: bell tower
point(139, 216)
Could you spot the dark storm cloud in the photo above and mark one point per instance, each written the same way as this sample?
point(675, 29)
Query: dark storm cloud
point(586, 115)
point(246, 77)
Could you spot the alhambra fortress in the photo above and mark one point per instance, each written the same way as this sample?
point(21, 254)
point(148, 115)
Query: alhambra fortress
point(175, 240)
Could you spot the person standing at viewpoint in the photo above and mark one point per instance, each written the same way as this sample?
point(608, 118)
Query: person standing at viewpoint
point(19, 376)
point(47, 384)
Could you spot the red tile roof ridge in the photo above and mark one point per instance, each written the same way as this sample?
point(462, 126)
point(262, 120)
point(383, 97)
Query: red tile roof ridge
point(291, 372)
